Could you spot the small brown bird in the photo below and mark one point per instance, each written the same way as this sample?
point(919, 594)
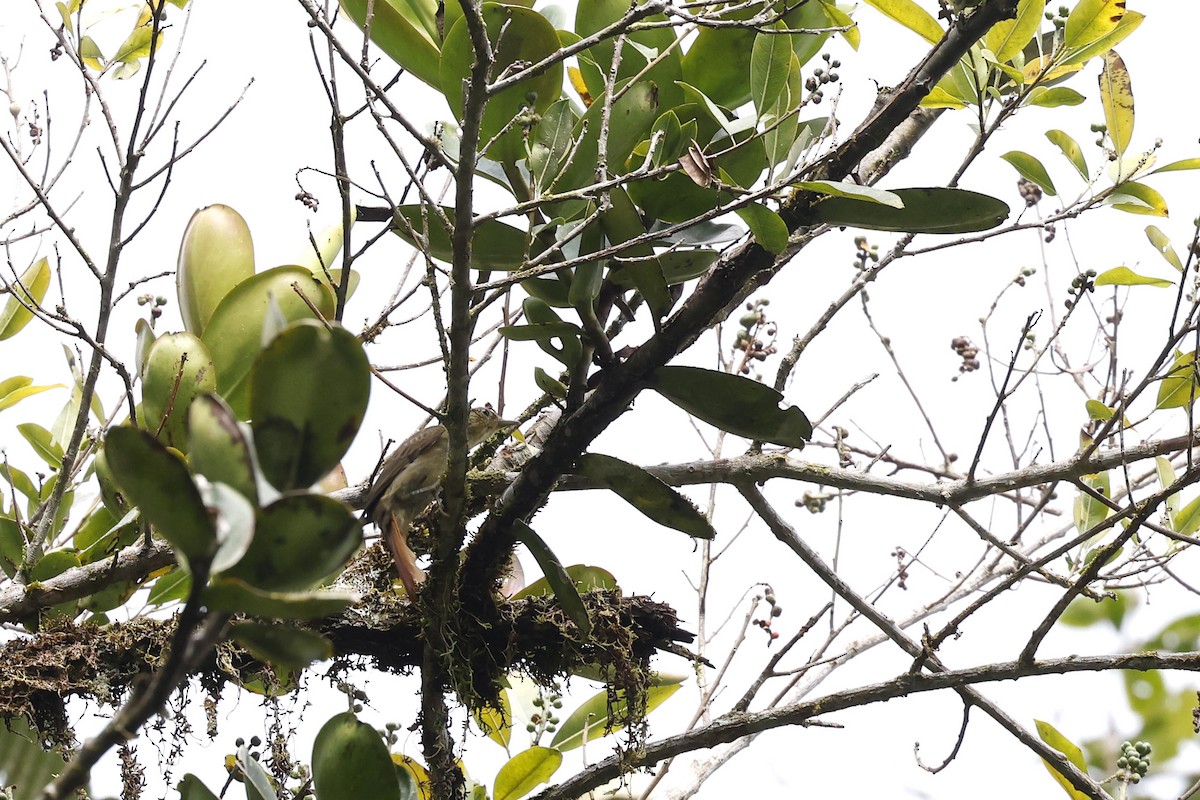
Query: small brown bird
point(408, 480)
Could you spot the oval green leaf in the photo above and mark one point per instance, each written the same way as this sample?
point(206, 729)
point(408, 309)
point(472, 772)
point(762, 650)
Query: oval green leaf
point(1031, 170)
point(299, 541)
point(732, 403)
point(932, 210)
point(234, 334)
point(215, 255)
point(218, 448)
point(178, 368)
point(309, 391)
point(158, 483)
point(517, 34)
point(350, 760)
point(646, 493)
point(280, 645)
point(494, 245)
point(1179, 387)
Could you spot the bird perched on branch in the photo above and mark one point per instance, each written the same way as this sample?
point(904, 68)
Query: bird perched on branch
point(408, 480)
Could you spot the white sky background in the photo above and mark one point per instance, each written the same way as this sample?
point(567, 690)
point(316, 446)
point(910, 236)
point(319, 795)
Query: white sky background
point(282, 126)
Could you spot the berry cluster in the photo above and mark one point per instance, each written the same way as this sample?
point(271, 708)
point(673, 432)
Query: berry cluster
point(864, 251)
point(1030, 192)
point(544, 720)
point(967, 351)
point(1134, 761)
point(822, 76)
point(1082, 283)
point(753, 325)
point(1058, 19)
point(156, 304)
point(776, 610)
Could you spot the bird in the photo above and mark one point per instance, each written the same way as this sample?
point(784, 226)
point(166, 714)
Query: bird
point(407, 481)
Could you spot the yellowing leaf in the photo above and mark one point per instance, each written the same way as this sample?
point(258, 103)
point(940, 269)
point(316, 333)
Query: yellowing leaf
point(1138, 198)
point(1009, 36)
point(1124, 276)
point(1178, 387)
point(1090, 20)
point(911, 16)
point(29, 290)
point(1050, 735)
point(1163, 245)
point(1031, 170)
point(1071, 149)
point(1116, 95)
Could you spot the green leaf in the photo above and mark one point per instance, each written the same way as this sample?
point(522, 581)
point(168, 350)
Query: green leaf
point(218, 449)
point(1088, 511)
point(551, 143)
point(234, 334)
point(1050, 735)
point(568, 350)
point(24, 765)
point(281, 645)
point(29, 290)
point(299, 541)
point(1179, 387)
point(1124, 276)
point(768, 228)
point(1099, 411)
point(192, 788)
point(178, 368)
point(1071, 149)
point(1054, 97)
point(397, 29)
point(1116, 96)
point(641, 47)
point(1091, 20)
point(584, 577)
point(1073, 58)
point(158, 483)
point(174, 584)
point(215, 255)
point(494, 244)
point(852, 190)
point(350, 760)
point(911, 16)
point(770, 58)
point(556, 576)
point(234, 596)
point(257, 781)
point(595, 719)
point(309, 391)
point(527, 38)
point(939, 97)
point(1176, 166)
point(42, 443)
point(1031, 170)
point(934, 210)
point(1163, 245)
point(1138, 198)
point(1083, 612)
point(496, 723)
point(525, 771)
point(732, 403)
point(15, 389)
point(1008, 37)
point(646, 493)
